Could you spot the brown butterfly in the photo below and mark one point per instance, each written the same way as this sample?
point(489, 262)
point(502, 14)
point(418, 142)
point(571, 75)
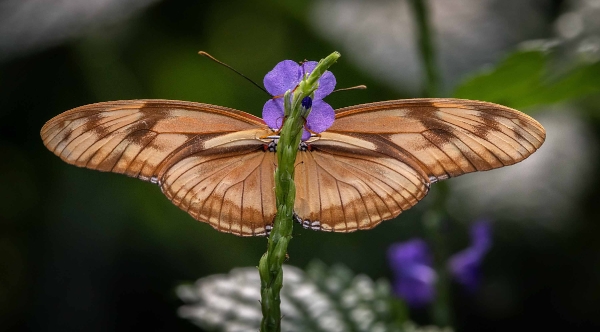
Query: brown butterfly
point(217, 164)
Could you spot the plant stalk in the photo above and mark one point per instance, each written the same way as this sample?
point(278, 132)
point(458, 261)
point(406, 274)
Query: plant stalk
point(441, 310)
point(426, 47)
point(271, 263)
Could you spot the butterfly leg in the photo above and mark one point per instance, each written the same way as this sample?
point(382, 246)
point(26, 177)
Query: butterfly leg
point(312, 133)
point(276, 132)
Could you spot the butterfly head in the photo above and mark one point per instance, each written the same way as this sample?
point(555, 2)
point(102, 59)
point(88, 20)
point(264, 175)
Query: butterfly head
point(272, 145)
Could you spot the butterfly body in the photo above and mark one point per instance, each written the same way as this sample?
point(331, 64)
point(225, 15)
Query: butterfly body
point(217, 164)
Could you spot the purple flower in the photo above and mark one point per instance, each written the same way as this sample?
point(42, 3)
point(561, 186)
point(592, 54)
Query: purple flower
point(414, 275)
point(286, 76)
point(465, 265)
point(413, 270)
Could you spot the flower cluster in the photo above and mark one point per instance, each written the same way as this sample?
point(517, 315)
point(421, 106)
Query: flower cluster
point(415, 277)
point(286, 76)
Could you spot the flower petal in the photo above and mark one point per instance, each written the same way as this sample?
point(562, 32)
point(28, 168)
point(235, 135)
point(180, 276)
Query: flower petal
point(326, 82)
point(417, 288)
point(273, 113)
point(285, 76)
point(414, 275)
point(465, 266)
point(481, 234)
point(414, 251)
point(308, 67)
point(305, 135)
point(321, 117)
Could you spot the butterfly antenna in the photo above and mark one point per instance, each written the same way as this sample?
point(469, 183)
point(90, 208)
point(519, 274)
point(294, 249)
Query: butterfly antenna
point(358, 87)
point(237, 72)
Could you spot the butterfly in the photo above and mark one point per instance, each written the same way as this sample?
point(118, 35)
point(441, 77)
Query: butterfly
point(376, 160)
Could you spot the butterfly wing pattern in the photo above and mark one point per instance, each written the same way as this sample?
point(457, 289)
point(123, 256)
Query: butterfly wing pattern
point(376, 161)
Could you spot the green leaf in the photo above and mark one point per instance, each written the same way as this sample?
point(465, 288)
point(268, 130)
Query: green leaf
point(320, 299)
point(523, 79)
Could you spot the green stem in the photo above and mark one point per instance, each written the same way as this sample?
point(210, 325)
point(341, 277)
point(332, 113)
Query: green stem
point(441, 310)
point(270, 265)
point(426, 48)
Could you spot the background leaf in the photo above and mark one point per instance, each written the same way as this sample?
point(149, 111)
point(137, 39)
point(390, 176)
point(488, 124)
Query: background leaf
point(320, 299)
point(524, 79)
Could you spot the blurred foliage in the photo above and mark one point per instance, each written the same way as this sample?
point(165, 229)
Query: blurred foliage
point(525, 78)
point(320, 299)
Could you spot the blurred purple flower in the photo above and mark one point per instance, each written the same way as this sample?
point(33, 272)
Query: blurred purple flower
point(412, 265)
point(465, 265)
point(414, 275)
point(286, 76)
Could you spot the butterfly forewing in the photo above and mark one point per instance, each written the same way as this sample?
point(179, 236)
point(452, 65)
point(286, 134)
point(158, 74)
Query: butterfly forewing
point(446, 137)
point(136, 137)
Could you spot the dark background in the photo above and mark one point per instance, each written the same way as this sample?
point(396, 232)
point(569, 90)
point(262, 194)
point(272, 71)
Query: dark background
point(83, 250)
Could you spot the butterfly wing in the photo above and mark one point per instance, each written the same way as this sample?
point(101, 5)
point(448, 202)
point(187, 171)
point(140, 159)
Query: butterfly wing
point(420, 141)
point(447, 137)
point(349, 182)
point(189, 149)
point(376, 161)
point(229, 185)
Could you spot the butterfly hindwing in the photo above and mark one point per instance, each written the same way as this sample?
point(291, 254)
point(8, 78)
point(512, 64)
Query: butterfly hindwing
point(348, 183)
point(230, 185)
